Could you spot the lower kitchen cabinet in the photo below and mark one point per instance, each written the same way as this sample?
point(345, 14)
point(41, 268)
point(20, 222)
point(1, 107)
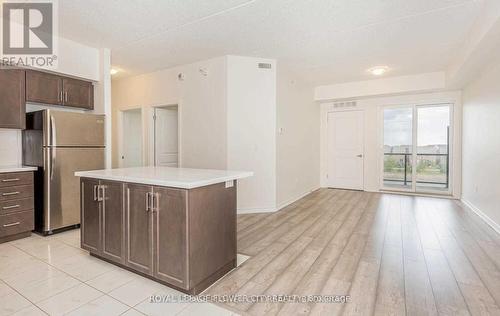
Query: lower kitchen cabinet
point(90, 216)
point(169, 231)
point(17, 218)
point(102, 226)
point(139, 228)
point(185, 238)
point(113, 220)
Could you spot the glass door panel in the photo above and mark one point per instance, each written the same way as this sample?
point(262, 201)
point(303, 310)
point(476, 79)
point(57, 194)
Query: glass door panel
point(433, 130)
point(398, 148)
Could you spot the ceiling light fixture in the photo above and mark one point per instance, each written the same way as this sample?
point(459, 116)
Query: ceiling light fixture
point(378, 70)
point(113, 71)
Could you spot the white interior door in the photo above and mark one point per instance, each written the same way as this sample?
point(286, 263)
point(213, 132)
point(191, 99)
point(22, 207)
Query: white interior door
point(131, 138)
point(166, 137)
point(345, 150)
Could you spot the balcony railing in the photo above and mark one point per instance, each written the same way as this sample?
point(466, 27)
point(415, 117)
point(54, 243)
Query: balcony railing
point(429, 171)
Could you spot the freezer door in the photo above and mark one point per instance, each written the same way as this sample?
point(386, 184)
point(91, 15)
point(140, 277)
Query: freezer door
point(61, 187)
point(72, 129)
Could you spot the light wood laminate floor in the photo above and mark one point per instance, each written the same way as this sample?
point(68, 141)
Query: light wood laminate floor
point(393, 254)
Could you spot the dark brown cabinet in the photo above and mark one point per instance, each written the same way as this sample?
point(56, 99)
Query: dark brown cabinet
point(185, 238)
point(113, 221)
point(17, 217)
point(12, 102)
point(102, 226)
point(58, 90)
point(139, 228)
point(91, 216)
point(169, 230)
point(78, 93)
point(156, 241)
point(42, 87)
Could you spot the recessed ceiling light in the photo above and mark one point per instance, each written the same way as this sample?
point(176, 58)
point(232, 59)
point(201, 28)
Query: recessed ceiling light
point(378, 70)
point(113, 71)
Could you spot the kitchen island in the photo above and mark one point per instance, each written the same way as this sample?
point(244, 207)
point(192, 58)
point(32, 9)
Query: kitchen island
point(174, 225)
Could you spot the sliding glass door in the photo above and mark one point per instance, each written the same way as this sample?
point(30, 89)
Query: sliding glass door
point(416, 148)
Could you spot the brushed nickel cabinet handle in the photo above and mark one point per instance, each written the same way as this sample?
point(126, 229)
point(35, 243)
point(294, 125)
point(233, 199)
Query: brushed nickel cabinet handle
point(10, 207)
point(102, 195)
point(148, 201)
point(10, 193)
point(11, 224)
point(10, 180)
point(156, 202)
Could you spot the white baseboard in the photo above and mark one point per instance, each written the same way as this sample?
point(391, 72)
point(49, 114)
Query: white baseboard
point(295, 199)
point(279, 207)
point(481, 215)
point(255, 210)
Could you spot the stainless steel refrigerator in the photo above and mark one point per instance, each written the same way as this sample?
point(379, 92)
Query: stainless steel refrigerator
point(60, 143)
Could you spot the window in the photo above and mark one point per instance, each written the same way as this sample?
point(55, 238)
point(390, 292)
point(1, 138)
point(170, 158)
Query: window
point(416, 150)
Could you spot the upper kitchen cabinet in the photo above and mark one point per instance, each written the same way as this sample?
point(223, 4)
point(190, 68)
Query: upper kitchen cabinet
point(78, 93)
point(43, 88)
point(12, 102)
point(57, 90)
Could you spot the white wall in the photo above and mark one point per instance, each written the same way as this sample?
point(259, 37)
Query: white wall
point(251, 130)
point(384, 86)
point(297, 142)
point(481, 144)
point(202, 110)
point(373, 134)
point(10, 147)
point(227, 110)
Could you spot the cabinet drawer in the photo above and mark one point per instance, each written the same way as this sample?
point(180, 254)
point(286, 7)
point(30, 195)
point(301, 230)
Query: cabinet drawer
point(14, 179)
point(14, 206)
point(16, 223)
point(16, 193)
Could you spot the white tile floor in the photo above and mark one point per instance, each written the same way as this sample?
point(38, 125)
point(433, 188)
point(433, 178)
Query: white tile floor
point(53, 276)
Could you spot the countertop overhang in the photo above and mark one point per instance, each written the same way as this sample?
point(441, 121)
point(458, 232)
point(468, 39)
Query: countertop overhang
point(8, 169)
point(183, 178)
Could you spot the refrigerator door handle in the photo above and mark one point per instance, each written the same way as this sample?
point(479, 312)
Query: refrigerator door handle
point(52, 148)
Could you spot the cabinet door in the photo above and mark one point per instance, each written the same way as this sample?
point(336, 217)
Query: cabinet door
point(12, 102)
point(91, 216)
point(43, 88)
point(113, 221)
point(78, 93)
point(170, 243)
point(139, 229)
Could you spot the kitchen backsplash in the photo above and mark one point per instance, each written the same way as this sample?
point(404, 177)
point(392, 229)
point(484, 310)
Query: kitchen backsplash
point(10, 147)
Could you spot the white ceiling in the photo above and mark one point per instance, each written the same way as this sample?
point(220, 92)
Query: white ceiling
point(326, 41)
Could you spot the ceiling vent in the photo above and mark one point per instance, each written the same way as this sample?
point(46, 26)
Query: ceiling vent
point(347, 104)
point(265, 66)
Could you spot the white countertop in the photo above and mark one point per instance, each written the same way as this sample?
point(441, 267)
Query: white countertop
point(183, 178)
point(6, 169)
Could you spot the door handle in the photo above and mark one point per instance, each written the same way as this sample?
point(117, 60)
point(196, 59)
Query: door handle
point(359, 156)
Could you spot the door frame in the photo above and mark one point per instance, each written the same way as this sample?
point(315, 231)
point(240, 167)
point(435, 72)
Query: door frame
point(451, 139)
point(362, 111)
point(121, 133)
point(152, 132)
